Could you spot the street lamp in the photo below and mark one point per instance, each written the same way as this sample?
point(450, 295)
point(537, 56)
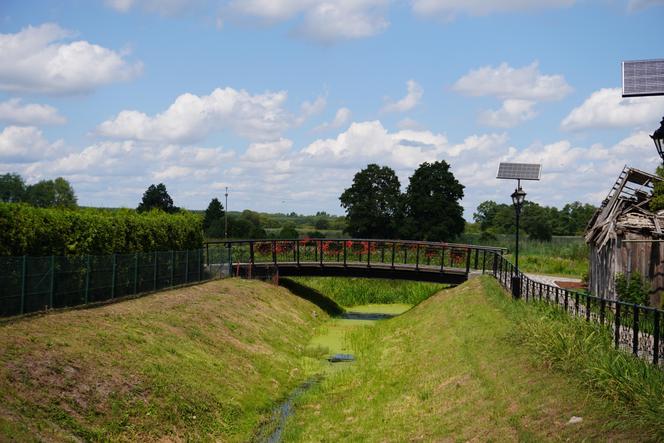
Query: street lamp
point(518, 197)
point(658, 138)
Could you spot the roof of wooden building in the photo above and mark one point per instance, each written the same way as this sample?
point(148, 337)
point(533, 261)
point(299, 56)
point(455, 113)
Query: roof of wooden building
point(625, 209)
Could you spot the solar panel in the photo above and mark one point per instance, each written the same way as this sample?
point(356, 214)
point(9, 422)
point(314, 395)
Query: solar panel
point(519, 171)
point(643, 78)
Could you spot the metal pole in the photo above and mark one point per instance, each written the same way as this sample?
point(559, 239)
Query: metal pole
point(226, 215)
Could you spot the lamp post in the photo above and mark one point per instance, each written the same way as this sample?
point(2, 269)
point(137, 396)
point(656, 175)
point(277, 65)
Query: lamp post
point(226, 215)
point(658, 138)
point(518, 197)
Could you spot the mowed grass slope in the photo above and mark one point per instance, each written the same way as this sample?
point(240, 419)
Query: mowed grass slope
point(206, 362)
point(453, 369)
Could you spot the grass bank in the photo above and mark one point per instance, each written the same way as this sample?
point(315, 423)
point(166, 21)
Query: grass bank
point(455, 367)
point(364, 291)
point(201, 363)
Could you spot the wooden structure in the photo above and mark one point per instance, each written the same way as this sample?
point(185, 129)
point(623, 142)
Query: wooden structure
point(624, 236)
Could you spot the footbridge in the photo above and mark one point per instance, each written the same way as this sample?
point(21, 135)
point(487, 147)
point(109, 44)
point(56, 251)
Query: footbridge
point(370, 258)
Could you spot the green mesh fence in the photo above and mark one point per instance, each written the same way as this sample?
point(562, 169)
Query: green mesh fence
point(29, 284)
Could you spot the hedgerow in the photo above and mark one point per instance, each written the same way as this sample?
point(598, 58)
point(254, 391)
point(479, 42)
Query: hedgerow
point(27, 230)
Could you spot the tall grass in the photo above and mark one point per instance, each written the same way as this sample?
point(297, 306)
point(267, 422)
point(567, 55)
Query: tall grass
point(362, 291)
point(561, 256)
point(585, 352)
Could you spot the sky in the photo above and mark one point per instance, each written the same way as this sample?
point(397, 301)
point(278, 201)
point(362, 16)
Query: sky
point(283, 101)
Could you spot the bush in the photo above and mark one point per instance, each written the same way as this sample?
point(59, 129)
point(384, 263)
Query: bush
point(26, 230)
point(632, 289)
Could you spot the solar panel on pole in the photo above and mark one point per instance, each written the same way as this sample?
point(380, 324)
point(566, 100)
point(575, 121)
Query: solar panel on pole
point(642, 78)
point(519, 171)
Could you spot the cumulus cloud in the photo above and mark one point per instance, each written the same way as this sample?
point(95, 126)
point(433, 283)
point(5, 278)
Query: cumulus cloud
point(506, 82)
point(407, 103)
point(512, 113)
point(325, 21)
point(191, 118)
point(448, 9)
point(341, 117)
point(13, 111)
point(607, 108)
point(260, 152)
point(39, 59)
point(22, 144)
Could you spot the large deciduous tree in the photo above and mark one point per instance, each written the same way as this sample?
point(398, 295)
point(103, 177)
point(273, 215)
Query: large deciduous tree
point(214, 211)
point(373, 203)
point(432, 199)
point(12, 188)
point(156, 197)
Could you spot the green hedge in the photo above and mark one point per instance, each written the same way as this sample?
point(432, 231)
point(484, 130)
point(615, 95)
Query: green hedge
point(26, 230)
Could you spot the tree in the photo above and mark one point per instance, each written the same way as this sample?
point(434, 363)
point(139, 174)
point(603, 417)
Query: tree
point(432, 199)
point(373, 203)
point(214, 211)
point(486, 214)
point(289, 231)
point(51, 193)
point(322, 223)
point(12, 188)
point(156, 197)
point(657, 201)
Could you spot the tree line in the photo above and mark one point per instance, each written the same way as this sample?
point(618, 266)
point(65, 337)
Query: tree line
point(539, 222)
point(56, 193)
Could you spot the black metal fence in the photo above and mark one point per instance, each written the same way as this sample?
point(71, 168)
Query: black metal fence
point(634, 328)
point(30, 284)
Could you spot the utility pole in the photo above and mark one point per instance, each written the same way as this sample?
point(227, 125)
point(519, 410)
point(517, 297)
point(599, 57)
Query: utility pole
point(226, 215)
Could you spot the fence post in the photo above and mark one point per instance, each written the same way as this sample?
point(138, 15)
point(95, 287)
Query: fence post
point(172, 267)
point(616, 332)
point(251, 253)
point(136, 273)
point(154, 272)
point(477, 255)
point(186, 266)
point(394, 248)
point(495, 264)
point(321, 252)
point(442, 258)
point(467, 261)
point(382, 252)
point(483, 261)
point(113, 268)
point(417, 257)
point(24, 281)
point(655, 352)
point(297, 243)
point(635, 330)
point(587, 307)
point(52, 289)
point(274, 252)
point(87, 278)
point(368, 254)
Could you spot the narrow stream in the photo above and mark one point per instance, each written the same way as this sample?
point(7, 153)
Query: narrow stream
point(336, 353)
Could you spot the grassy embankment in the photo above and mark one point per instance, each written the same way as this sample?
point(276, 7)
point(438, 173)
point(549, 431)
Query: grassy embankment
point(469, 363)
point(205, 362)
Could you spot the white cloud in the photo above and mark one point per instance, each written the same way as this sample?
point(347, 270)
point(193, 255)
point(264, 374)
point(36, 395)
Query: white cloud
point(409, 123)
point(512, 113)
point(407, 103)
point(22, 144)
point(448, 9)
point(268, 151)
point(36, 59)
point(322, 20)
point(607, 109)
point(164, 7)
point(104, 159)
point(13, 111)
point(191, 118)
point(638, 5)
point(172, 172)
point(341, 117)
point(506, 82)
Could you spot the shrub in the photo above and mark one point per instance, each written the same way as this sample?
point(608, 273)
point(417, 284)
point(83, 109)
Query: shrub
point(632, 289)
point(26, 230)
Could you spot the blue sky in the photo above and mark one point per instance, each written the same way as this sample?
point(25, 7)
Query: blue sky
point(284, 100)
